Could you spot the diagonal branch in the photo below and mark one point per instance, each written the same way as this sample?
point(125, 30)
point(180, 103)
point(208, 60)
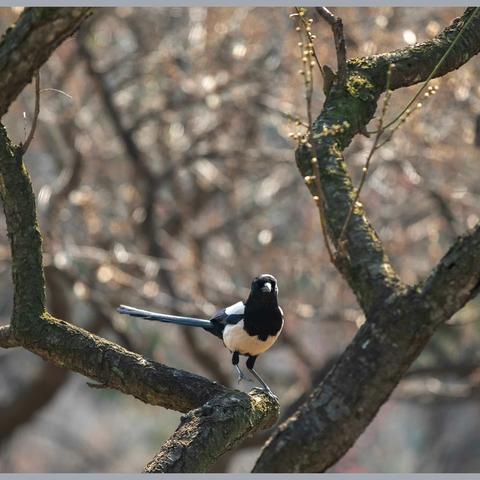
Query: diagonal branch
point(36, 112)
point(208, 432)
point(346, 112)
point(336, 25)
point(343, 405)
point(456, 278)
point(64, 344)
point(414, 64)
point(27, 46)
point(400, 320)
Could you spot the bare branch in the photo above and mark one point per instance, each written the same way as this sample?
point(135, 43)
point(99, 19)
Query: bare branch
point(35, 113)
point(336, 25)
point(456, 279)
point(415, 64)
point(400, 320)
point(26, 46)
point(208, 432)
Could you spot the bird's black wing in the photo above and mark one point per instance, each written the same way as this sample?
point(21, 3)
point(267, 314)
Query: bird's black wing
point(226, 316)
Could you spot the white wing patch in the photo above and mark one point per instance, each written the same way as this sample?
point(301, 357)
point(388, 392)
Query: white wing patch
point(236, 309)
point(236, 339)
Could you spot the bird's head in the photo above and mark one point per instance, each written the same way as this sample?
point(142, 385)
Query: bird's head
point(264, 287)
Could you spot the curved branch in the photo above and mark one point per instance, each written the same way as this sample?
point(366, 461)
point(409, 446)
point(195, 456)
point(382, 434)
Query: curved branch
point(115, 367)
point(208, 432)
point(456, 279)
point(343, 405)
point(400, 320)
point(346, 112)
point(76, 349)
point(414, 64)
point(61, 343)
point(26, 46)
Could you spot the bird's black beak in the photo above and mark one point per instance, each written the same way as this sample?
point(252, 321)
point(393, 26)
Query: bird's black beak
point(267, 288)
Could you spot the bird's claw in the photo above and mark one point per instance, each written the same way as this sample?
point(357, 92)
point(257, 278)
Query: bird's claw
point(244, 377)
point(266, 391)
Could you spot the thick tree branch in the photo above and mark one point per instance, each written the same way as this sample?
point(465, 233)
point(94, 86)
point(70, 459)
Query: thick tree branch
point(346, 112)
point(208, 432)
point(78, 350)
point(61, 343)
point(341, 407)
point(366, 267)
point(400, 320)
point(414, 64)
point(456, 279)
point(26, 243)
point(115, 367)
point(26, 46)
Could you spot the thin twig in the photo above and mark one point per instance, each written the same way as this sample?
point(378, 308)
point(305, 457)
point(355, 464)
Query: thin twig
point(311, 38)
point(336, 25)
point(56, 90)
point(29, 139)
point(308, 55)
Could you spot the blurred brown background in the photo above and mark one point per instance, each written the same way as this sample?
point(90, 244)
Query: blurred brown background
point(165, 179)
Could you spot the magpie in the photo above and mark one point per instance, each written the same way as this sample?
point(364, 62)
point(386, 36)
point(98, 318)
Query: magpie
point(246, 328)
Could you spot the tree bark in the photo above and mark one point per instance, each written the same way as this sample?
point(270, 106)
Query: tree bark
point(25, 47)
point(208, 432)
point(63, 344)
point(399, 319)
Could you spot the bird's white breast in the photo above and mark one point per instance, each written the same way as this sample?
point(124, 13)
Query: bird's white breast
point(236, 339)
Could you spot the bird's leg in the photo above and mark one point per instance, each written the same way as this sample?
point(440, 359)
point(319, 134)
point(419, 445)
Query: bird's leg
point(235, 360)
point(266, 388)
point(241, 376)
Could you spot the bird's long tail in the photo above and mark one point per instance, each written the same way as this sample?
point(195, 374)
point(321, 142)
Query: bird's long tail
point(161, 317)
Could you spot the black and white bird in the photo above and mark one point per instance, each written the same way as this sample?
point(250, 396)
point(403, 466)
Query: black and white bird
point(247, 328)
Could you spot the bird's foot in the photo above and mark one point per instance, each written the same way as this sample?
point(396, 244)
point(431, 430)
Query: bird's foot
point(242, 376)
point(267, 391)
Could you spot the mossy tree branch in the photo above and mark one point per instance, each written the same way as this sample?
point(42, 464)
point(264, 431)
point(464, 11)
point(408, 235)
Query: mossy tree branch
point(27, 46)
point(343, 405)
point(208, 432)
point(414, 64)
point(400, 319)
point(78, 350)
point(59, 342)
